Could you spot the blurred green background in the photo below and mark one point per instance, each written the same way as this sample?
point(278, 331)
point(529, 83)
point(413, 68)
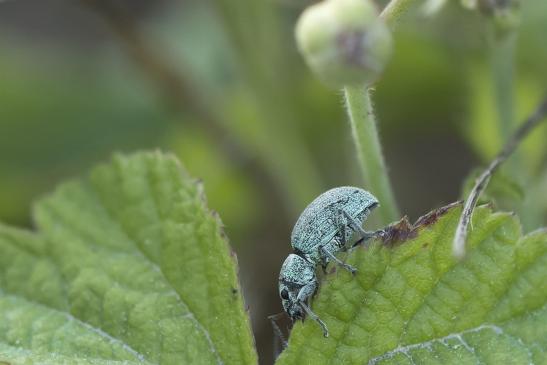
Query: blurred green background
point(220, 84)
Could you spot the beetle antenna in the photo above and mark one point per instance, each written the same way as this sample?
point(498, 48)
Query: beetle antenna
point(316, 319)
point(278, 334)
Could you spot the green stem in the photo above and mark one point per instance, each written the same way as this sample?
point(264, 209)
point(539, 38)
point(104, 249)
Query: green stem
point(365, 134)
point(369, 151)
point(502, 61)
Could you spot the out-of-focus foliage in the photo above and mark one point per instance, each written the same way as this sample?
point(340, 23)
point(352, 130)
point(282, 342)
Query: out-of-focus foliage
point(71, 94)
point(483, 132)
point(53, 123)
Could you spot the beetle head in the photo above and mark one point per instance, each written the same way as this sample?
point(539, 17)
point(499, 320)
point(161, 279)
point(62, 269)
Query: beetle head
point(296, 273)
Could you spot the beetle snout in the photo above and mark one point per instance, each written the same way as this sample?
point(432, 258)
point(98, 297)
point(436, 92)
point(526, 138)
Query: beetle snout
point(295, 312)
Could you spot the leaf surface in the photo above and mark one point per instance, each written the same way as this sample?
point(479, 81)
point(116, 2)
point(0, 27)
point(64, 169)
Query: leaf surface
point(128, 266)
point(411, 302)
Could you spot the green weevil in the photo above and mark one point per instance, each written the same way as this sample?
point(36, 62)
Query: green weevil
point(323, 229)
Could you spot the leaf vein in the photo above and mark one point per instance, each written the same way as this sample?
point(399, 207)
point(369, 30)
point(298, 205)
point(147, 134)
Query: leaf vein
point(135, 242)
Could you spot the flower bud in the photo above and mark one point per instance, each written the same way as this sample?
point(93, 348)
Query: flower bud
point(344, 41)
point(504, 13)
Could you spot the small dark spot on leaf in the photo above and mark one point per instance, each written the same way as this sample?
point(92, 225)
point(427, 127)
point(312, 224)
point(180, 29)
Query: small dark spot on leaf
point(234, 291)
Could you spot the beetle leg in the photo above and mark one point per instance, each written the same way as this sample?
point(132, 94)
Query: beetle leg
point(337, 260)
point(341, 227)
point(355, 225)
point(316, 318)
point(365, 235)
point(324, 264)
point(306, 291)
point(363, 240)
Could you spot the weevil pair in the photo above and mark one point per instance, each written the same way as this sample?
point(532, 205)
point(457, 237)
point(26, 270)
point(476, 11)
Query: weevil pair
point(323, 229)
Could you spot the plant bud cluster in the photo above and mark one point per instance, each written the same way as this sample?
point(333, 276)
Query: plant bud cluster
point(504, 13)
point(344, 41)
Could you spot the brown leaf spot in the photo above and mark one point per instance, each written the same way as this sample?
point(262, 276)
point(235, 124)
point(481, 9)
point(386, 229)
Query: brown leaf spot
point(434, 215)
point(401, 231)
point(398, 232)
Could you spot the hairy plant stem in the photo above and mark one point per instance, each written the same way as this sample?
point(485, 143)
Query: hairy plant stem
point(365, 134)
point(369, 151)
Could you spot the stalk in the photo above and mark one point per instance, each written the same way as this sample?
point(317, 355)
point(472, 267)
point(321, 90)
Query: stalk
point(365, 134)
point(502, 52)
point(369, 151)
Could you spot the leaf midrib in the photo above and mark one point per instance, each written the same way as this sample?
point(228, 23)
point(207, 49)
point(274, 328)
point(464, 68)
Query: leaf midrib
point(98, 331)
point(40, 256)
point(491, 326)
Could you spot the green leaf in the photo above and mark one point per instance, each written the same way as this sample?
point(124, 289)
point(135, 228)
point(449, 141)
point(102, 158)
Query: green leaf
point(411, 302)
point(127, 266)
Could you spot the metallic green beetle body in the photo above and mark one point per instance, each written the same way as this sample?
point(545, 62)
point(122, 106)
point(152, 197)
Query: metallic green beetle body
point(322, 230)
point(323, 221)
